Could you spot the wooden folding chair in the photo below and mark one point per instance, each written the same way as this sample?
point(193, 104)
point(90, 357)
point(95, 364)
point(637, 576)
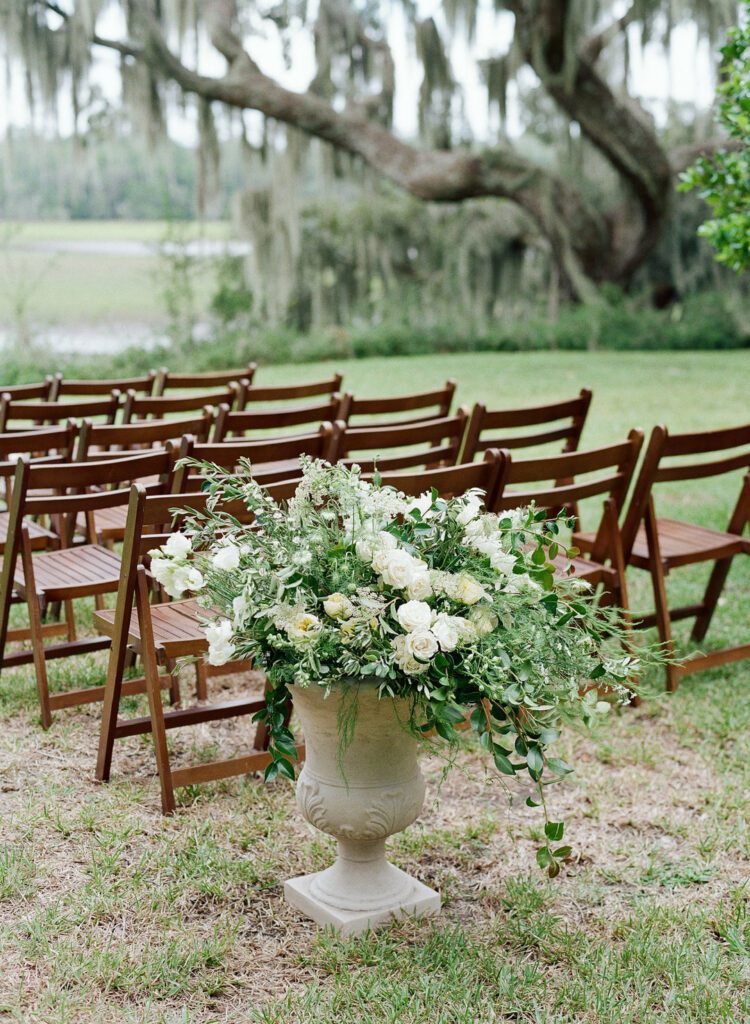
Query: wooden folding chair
point(431, 443)
point(24, 415)
point(168, 381)
point(451, 481)
point(230, 425)
point(437, 403)
point(29, 392)
point(272, 459)
point(66, 573)
point(63, 387)
point(161, 633)
point(659, 545)
point(608, 471)
point(158, 407)
point(104, 441)
point(511, 421)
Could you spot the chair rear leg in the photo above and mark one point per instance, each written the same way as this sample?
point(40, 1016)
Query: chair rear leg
point(37, 633)
point(663, 621)
point(153, 690)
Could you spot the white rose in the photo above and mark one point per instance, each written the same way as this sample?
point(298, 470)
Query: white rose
point(447, 630)
point(365, 549)
point(338, 606)
point(178, 546)
point(420, 587)
point(518, 583)
point(404, 659)
point(470, 510)
point(414, 615)
point(220, 646)
point(227, 557)
point(467, 589)
point(304, 626)
point(398, 568)
point(483, 619)
point(421, 645)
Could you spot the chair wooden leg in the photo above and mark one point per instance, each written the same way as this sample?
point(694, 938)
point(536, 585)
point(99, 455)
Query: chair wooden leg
point(151, 674)
point(70, 619)
point(174, 675)
point(201, 680)
point(36, 633)
point(711, 597)
point(663, 621)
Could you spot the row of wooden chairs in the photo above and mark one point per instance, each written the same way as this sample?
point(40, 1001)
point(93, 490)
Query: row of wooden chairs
point(241, 409)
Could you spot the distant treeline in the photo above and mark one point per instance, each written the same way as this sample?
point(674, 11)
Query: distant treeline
point(122, 177)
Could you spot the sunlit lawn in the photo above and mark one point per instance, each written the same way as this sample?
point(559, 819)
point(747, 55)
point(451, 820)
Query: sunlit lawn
point(108, 912)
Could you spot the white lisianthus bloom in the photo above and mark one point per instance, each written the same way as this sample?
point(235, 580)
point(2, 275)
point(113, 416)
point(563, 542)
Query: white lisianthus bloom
point(405, 660)
point(421, 644)
point(239, 610)
point(227, 557)
point(303, 627)
point(470, 510)
point(483, 619)
point(420, 587)
point(177, 546)
point(365, 548)
point(466, 589)
point(502, 562)
point(220, 646)
point(176, 578)
point(398, 568)
point(422, 504)
point(603, 707)
point(338, 606)
point(448, 630)
point(520, 582)
point(414, 615)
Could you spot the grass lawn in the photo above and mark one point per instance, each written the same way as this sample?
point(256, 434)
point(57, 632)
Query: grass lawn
point(109, 912)
point(94, 287)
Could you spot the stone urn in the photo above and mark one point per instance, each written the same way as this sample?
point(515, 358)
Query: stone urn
point(361, 792)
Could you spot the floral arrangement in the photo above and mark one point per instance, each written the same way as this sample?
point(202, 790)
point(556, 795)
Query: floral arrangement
point(436, 600)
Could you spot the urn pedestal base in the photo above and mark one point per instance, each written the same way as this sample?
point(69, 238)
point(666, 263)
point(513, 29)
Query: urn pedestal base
point(416, 900)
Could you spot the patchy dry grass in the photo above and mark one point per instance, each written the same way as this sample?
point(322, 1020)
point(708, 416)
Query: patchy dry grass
point(111, 913)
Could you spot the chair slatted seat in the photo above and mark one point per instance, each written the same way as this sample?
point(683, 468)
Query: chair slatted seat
point(169, 381)
point(64, 573)
point(431, 443)
point(160, 633)
point(426, 405)
point(658, 545)
point(510, 422)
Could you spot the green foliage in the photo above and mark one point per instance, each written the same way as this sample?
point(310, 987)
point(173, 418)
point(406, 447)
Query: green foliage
point(724, 179)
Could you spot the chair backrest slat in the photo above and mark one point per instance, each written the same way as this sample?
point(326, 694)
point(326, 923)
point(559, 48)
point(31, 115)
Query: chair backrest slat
point(51, 444)
point(159, 406)
point(452, 481)
point(483, 420)
point(438, 402)
point(28, 392)
point(395, 447)
point(98, 440)
point(291, 392)
point(57, 412)
point(168, 381)
point(272, 458)
point(64, 386)
point(236, 424)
